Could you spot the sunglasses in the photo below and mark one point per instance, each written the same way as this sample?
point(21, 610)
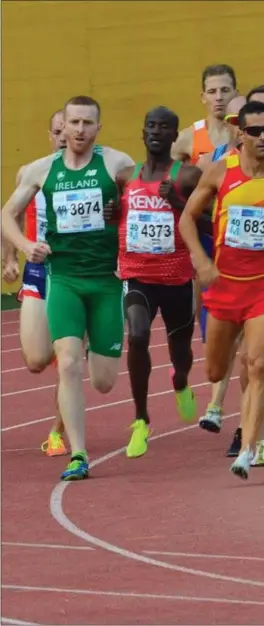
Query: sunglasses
point(254, 131)
point(232, 118)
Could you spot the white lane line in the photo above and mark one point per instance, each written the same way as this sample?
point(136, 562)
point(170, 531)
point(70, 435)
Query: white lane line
point(131, 594)
point(193, 555)
point(51, 546)
point(32, 389)
point(17, 622)
point(14, 369)
point(57, 512)
point(105, 406)
point(158, 345)
point(19, 449)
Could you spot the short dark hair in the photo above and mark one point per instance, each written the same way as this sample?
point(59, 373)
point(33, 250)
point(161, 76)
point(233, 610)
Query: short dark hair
point(52, 117)
point(85, 101)
point(249, 109)
point(254, 91)
point(174, 119)
point(219, 70)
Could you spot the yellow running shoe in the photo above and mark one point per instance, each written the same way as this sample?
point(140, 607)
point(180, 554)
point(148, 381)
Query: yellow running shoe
point(138, 443)
point(54, 446)
point(186, 404)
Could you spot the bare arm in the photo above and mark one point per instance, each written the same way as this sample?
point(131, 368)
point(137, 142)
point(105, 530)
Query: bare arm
point(197, 203)
point(123, 176)
point(204, 161)
point(181, 150)
point(21, 216)
point(188, 179)
point(30, 180)
point(9, 251)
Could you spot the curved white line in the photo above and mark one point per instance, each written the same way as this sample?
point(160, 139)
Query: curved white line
point(57, 512)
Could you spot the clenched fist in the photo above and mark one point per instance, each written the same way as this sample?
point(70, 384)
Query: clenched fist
point(168, 192)
point(11, 270)
point(208, 273)
point(36, 252)
point(111, 211)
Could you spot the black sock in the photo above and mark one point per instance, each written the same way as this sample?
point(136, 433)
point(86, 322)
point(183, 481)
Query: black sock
point(139, 366)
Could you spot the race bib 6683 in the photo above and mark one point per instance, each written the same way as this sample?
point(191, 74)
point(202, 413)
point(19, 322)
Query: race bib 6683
point(245, 227)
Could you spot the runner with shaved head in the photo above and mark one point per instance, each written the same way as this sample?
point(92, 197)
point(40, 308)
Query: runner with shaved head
point(156, 267)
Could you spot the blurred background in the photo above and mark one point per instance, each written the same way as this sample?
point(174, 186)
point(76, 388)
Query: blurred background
point(129, 55)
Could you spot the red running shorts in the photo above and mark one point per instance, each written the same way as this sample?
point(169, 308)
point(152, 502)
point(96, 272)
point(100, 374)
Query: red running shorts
point(235, 301)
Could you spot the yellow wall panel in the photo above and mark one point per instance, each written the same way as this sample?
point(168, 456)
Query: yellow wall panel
point(129, 55)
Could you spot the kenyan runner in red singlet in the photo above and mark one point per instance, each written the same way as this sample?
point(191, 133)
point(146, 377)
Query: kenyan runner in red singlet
point(156, 265)
point(235, 297)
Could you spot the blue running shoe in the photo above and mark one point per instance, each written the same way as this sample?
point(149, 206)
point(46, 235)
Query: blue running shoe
point(77, 469)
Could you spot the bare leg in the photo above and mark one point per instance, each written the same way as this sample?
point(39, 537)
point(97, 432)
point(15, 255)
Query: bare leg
point(34, 335)
point(253, 401)
point(222, 348)
point(254, 334)
point(69, 352)
point(220, 339)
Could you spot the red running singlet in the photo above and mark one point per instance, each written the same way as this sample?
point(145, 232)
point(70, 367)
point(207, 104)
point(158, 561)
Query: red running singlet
point(150, 246)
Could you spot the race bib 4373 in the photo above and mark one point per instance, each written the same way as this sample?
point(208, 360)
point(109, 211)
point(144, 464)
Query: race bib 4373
point(150, 232)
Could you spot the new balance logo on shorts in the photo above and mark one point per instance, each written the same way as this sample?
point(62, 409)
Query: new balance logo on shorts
point(116, 346)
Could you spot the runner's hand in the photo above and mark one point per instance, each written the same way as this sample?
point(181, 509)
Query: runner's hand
point(36, 252)
point(11, 270)
point(168, 192)
point(111, 211)
point(208, 273)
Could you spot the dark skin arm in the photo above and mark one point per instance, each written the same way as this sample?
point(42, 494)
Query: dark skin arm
point(199, 200)
point(188, 180)
point(112, 210)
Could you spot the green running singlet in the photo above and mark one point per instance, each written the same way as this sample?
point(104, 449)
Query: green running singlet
point(83, 293)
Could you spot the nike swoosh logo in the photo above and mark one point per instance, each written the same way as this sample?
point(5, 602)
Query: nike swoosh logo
point(132, 192)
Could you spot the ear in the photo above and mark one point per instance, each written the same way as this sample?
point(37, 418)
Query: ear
point(100, 127)
point(240, 137)
point(203, 97)
point(50, 135)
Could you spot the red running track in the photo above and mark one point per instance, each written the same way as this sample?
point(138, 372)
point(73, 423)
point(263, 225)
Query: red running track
point(170, 538)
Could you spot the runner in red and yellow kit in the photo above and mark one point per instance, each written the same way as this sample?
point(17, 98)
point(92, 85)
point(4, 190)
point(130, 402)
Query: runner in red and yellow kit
point(235, 298)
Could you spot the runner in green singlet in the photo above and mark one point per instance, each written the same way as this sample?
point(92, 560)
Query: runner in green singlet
point(83, 293)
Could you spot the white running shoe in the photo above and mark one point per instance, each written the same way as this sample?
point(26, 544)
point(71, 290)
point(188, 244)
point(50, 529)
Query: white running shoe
point(241, 465)
point(212, 420)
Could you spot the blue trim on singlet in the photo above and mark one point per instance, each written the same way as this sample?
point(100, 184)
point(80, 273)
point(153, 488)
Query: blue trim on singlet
point(219, 152)
point(207, 243)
